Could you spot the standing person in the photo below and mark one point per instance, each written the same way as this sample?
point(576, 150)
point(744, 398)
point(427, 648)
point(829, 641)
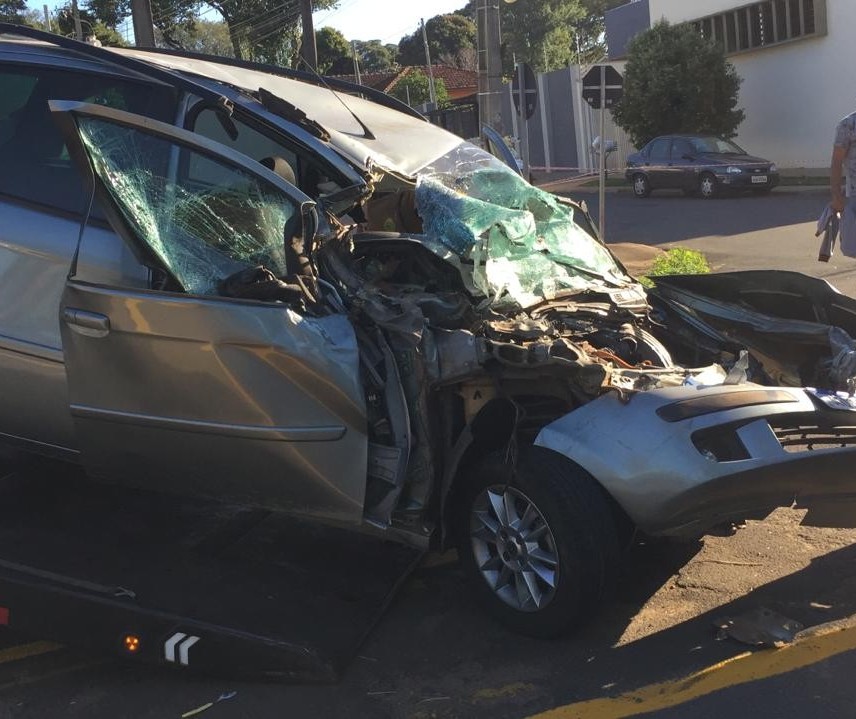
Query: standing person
point(844, 161)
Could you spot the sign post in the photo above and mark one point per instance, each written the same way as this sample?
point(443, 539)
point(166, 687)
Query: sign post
point(603, 86)
point(524, 92)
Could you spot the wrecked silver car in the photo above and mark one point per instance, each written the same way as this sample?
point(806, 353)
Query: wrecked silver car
point(282, 293)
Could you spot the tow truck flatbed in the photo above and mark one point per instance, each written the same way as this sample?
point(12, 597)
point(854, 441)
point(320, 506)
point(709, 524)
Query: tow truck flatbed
point(196, 585)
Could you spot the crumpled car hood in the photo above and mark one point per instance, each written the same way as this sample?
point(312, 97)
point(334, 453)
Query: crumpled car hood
point(789, 322)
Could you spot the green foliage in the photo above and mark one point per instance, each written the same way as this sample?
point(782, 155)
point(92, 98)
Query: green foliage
point(174, 19)
point(333, 51)
point(14, 11)
point(110, 12)
point(677, 261)
point(264, 30)
point(206, 37)
point(374, 56)
point(549, 34)
point(414, 86)
point(677, 81)
point(63, 19)
point(447, 35)
point(532, 29)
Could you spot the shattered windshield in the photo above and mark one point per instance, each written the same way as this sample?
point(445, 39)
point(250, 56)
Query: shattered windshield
point(523, 243)
point(204, 219)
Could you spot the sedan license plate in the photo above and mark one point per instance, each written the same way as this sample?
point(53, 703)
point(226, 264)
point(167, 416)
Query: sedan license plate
point(759, 179)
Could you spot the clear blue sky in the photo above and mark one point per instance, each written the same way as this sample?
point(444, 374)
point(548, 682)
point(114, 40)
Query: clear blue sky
point(384, 20)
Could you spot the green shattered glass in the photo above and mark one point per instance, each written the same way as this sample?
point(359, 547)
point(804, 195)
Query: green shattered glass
point(523, 243)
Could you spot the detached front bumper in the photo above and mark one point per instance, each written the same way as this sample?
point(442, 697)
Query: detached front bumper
point(681, 460)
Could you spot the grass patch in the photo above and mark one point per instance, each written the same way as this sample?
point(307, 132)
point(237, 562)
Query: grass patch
point(677, 261)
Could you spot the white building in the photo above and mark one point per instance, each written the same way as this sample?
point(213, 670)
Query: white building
point(797, 59)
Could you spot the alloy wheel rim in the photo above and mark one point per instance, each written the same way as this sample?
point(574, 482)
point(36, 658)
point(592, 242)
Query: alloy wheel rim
point(514, 548)
point(639, 185)
point(707, 187)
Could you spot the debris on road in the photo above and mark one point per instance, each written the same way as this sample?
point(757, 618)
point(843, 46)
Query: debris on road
point(759, 627)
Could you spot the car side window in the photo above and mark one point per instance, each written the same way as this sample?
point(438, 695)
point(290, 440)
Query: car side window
point(239, 137)
point(680, 147)
point(202, 228)
point(659, 151)
point(36, 164)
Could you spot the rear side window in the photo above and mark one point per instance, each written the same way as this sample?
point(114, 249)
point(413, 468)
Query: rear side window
point(35, 164)
point(659, 151)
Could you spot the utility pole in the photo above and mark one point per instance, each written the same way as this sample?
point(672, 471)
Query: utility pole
point(144, 26)
point(78, 30)
point(432, 93)
point(47, 18)
point(309, 49)
point(490, 63)
point(356, 62)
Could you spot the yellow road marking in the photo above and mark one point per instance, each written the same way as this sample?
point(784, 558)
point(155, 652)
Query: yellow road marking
point(22, 651)
point(744, 668)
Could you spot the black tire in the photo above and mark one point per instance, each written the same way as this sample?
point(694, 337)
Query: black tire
point(574, 526)
point(640, 184)
point(707, 186)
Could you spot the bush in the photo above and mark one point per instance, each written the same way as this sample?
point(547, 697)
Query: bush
point(677, 261)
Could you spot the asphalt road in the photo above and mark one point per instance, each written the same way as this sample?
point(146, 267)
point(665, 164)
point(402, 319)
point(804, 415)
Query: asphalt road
point(745, 232)
point(435, 655)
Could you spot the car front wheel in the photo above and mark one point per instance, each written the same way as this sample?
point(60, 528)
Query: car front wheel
point(707, 185)
point(538, 543)
point(641, 186)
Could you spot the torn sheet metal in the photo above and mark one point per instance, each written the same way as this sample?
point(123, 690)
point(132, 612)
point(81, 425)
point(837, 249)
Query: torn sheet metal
point(759, 627)
point(799, 329)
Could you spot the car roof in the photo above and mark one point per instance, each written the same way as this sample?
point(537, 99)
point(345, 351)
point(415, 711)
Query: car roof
point(397, 141)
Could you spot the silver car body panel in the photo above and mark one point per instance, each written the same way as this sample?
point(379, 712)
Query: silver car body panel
point(245, 401)
point(206, 392)
point(36, 248)
point(668, 484)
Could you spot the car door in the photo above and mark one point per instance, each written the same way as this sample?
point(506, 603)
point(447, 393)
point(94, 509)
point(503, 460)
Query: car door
point(657, 164)
point(178, 388)
point(682, 171)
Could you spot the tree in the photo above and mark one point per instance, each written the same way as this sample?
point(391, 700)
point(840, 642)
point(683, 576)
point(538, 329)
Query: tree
point(447, 35)
point(174, 19)
point(333, 49)
point(533, 30)
point(265, 30)
point(549, 34)
point(13, 11)
point(677, 81)
point(374, 56)
point(206, 37)
point(91, 25)
point(414, 88)
point(109, 12)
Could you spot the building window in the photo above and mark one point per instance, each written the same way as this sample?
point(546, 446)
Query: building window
point(763, 24)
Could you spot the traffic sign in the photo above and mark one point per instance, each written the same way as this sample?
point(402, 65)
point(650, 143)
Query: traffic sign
point(612, 82)
point(530, 90)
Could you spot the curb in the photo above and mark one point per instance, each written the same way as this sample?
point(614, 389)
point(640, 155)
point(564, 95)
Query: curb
point(810, 646)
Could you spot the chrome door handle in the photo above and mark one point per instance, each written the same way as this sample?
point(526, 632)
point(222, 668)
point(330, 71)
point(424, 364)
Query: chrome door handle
point(92, 324)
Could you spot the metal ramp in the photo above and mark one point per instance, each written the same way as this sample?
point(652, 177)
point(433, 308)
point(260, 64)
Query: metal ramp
point(195, 585)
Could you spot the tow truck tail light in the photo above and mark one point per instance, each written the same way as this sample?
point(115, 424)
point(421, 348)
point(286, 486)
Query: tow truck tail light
point(4, 616)
point(131, 643)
